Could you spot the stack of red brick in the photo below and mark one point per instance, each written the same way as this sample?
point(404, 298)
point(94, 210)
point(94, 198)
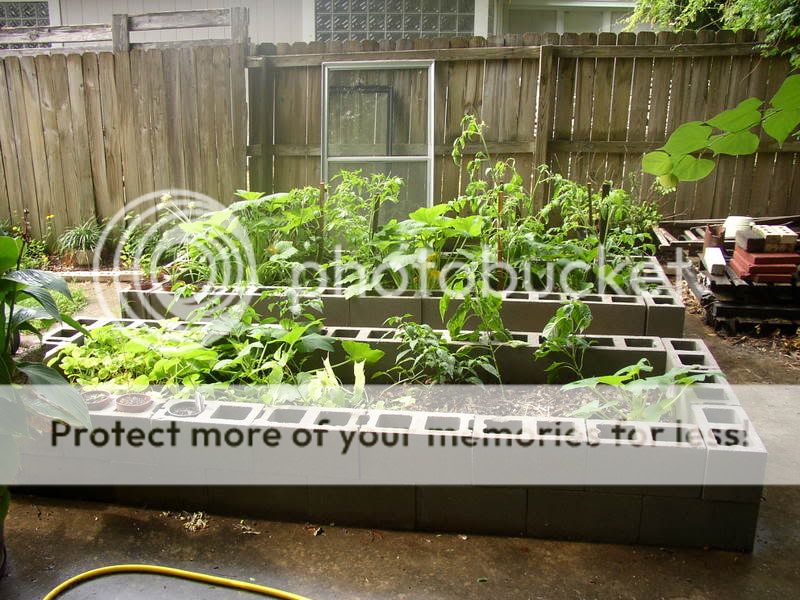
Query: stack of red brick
point(766, 254)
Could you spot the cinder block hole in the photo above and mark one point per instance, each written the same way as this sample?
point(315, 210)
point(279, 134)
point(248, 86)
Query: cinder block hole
point(639, 342)
point(436, 293)
point(550, 297)
point(85, 321)
point(335, 419)
point(731, 437)
point(345, 333)
point(692, 359)
point(362, 420)
point(232, 413)
point(591, 298)
point(394, 421)
point(619, 431)
point(556, 428)
point(598, 340)
point(623, 299)
point(679, 345)
point(377, 335)
point(442, 423)
point(664, 300)
point(498, 427)
point(331, 292)
point(517, 295)
point(64, 332)
point(709, 393)
point(720, 415)
point(520, 337)
point(287, 415)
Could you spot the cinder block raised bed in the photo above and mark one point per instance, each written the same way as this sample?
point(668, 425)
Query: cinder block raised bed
point(692, 480)
point(656, 312)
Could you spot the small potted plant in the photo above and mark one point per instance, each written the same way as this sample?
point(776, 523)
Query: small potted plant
point(78, 244)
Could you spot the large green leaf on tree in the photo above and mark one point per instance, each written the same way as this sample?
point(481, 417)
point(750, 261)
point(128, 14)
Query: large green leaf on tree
point(689, 168)
point(744, 116)
point(689, 137)
point(780, 123)
point(735, 144)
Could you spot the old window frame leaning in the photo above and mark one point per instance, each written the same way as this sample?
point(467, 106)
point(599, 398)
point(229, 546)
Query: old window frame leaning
point(366, 65)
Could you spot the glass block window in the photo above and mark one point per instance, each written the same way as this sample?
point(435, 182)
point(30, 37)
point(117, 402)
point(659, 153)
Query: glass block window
point(343, 20)
point(24, 14)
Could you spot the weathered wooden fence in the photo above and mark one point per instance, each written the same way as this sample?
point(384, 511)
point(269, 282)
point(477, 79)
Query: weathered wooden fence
point(83, 131)
point(587, 105)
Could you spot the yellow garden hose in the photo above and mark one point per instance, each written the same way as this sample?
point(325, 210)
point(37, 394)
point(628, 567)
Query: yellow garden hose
point(171, 572)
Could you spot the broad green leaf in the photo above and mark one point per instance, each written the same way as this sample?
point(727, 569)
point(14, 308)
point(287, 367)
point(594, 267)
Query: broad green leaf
point(9, 252)
point(657, 163)
point(689, 168)
point(430, 215)
point(779, 124)
point(735, 144)
point(361, 352)
point(44, 280)
point(467, 226)
point(53, 397)
point(744, 116)
point(689, 137)
point(788, 95)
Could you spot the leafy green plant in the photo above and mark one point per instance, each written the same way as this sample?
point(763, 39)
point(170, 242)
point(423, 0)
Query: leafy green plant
point(780, 19)
point(51, 400)
point(630, 396)
point(81, 238)
point(425, 357)
point(562, 340)
point(687, 154)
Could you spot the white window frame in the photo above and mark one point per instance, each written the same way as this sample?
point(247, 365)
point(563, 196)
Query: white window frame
point(374, 65)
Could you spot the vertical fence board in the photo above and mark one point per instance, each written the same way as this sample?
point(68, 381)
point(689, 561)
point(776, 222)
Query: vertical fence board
point(94, 122)
point(33, 113)
point(174, 117)
point(127, 127)
point(80, 132)
point(66, 137)
point(190, 128)
point(9, 151)
point(640, 105)
point(564, 103)
point(584, 103)
point(111, 135)
point(222, 123)
point(205, 120)
point(162, 176)
point(144, 154)
point(620, 105)
point(52, 142)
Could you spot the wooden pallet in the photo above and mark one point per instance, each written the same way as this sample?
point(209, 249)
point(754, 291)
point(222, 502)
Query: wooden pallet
point(733, 303)
point(688, 235)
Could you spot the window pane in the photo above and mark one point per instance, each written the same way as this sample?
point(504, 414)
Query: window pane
point(524, 20)
point(413, 194)
point(579, 21)
point(378, 112)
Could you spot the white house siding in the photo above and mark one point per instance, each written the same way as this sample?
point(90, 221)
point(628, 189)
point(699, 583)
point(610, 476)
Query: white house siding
point(270, 20)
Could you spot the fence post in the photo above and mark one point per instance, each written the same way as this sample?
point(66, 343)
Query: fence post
point(120, 35)
point(544, 114)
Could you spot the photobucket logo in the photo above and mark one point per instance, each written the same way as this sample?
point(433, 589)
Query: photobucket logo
point(173, 230)
point(423, 271)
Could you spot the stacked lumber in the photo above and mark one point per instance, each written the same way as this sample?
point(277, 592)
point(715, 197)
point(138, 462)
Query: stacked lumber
point(765, 254)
